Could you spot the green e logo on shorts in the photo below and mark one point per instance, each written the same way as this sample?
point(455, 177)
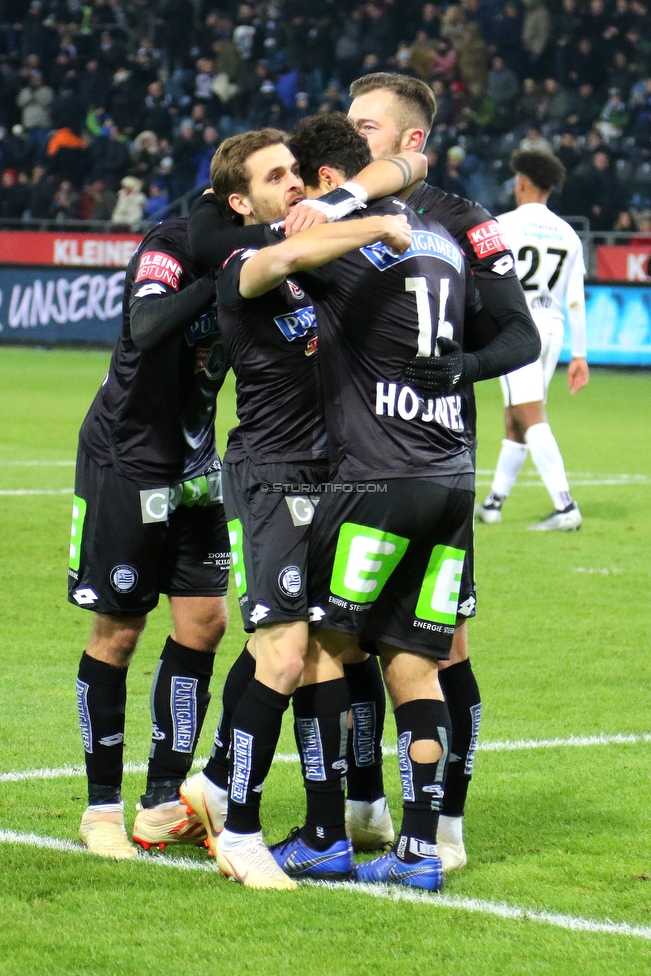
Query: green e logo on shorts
point(364, 560)
point(78, 516)
point(235, 536)
point(439, 594)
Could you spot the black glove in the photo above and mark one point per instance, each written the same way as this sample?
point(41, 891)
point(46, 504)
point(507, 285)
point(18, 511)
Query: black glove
point(439, 375)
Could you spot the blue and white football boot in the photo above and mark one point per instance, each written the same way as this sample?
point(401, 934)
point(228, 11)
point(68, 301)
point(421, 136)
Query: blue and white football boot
point(299, 860)
point(425, 873)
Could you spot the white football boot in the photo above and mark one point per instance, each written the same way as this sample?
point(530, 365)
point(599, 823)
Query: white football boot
point(569, 520)
point(369, 825)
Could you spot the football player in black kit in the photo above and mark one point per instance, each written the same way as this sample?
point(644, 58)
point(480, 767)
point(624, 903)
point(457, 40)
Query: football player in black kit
point(395, 114)
point(148, 519)
point(420, 446)
point(269, 332)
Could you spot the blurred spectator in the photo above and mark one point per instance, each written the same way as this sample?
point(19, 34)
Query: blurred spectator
point(643, 229)
point(97, 201)
point(34, 102)
point(145, 154)
point(536, 31)
point(203, 157)
point(68, 156)
point(503, 85)
point(14, 198)
point(66, 202)
point(42, 188)
point(17, 152)
point(623, 223)
point(111, 157)
point(130, 203)
point(471, 59)
point(184, 150)
point(451, 180)
point(613, 118)
point(594, 191)
point(157, 202)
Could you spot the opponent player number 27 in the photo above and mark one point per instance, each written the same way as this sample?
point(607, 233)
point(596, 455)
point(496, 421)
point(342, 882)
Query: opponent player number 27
point(443, 329)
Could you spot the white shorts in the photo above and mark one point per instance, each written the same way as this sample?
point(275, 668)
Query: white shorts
point(529, 384)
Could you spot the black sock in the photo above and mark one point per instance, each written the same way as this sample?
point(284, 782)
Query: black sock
point(237, 681)
point(179, 701)
point(257, 721)
point(422, 783)
point(464, 703)
point(368, 705)
point(101, 703)
point(321, 729)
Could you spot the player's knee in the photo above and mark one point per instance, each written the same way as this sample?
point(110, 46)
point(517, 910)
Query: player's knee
point(425, 751)
point(115, 641)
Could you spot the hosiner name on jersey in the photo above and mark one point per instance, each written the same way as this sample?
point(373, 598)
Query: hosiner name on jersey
point(407, 405)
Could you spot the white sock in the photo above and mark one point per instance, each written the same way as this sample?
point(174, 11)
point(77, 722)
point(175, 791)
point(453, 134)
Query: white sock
point(230, 841)
point(369, 810)
point(217, 794)
point(547, 458)
point(450, 829)
point(108, 807)
point(509, 465)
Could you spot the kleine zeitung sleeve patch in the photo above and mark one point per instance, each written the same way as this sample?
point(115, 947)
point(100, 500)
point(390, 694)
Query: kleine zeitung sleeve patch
point(159, 266)
point(487, 239)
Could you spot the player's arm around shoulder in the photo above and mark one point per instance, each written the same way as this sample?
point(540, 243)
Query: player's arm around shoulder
point(268, 268)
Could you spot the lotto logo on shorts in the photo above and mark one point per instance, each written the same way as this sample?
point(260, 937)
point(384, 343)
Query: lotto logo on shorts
point(183, 700)
point(309, 736)
point(158, 266)
point(486, 239)
point(124, 579)
point(242, 746)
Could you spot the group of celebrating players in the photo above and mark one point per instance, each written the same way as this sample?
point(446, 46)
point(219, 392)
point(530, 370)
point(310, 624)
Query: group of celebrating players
point(356, 306)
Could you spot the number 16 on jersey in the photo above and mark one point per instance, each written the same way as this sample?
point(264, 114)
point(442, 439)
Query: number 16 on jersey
point(443, 329)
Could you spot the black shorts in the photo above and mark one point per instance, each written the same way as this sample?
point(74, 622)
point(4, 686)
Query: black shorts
point(125, 552)
point(387, 560)
point(269, 508)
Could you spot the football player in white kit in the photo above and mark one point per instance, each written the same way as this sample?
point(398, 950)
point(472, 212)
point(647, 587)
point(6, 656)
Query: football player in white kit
point(549, 261)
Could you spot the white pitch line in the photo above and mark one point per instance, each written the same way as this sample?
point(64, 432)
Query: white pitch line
point(514, 913)
point(38, 464)
point(35, 491)
point(512, 745)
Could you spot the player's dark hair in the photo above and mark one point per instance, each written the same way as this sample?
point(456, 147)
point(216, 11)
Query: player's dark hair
point(545, 171)
point(328, 140)
point(228, 170)
point(417, 102)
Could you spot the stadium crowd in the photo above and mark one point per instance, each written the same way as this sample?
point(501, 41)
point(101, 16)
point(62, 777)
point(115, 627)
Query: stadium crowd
point(111, 109)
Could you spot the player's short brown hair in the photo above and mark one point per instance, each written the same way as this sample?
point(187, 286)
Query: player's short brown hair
point(228, 170)
point(545, 171)
point(417, 102)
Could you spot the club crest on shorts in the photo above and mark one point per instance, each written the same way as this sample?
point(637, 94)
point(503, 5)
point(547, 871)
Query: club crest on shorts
point(290, 581)
point(123, 579)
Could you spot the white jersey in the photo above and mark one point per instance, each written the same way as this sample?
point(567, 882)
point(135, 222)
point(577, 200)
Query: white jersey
point(549, 263)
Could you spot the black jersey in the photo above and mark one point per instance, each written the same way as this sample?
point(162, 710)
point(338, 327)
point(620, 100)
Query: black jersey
point(272, 344)
point(153, 417)
point(376, 311)
point(471, 225)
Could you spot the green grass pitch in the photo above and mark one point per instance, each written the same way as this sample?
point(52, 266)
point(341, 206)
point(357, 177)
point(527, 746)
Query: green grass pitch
point(560, 646)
